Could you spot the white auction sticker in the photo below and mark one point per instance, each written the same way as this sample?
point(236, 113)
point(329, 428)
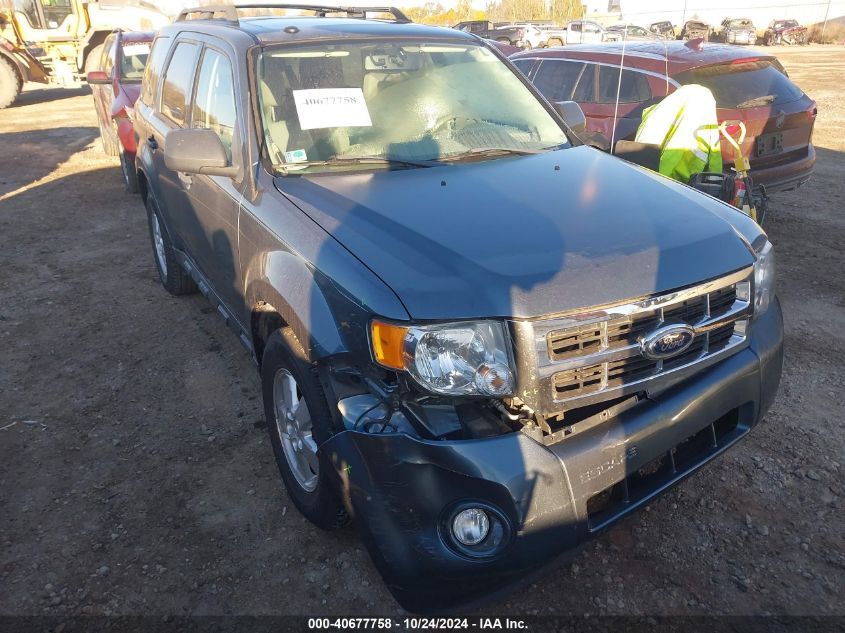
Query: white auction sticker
point(331, 107)
point(130, 50)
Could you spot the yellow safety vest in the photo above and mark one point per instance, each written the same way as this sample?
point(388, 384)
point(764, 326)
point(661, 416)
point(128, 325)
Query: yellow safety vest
point(684, 124)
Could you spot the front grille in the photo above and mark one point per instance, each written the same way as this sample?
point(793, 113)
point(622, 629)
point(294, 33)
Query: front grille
point(620, 333)
point(597, 355)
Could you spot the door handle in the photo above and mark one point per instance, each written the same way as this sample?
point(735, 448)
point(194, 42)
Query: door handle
point(152, 143)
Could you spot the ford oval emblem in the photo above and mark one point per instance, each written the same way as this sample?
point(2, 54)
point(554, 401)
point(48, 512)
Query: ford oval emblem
point(668, 341)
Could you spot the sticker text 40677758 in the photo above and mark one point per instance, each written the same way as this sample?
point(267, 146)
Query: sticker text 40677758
point(331, 107)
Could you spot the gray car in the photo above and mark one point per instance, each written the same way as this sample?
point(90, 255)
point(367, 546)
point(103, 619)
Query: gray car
point(480, 378)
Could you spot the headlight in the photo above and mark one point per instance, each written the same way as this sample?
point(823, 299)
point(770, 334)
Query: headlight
point(456, 359)
point(764, 278)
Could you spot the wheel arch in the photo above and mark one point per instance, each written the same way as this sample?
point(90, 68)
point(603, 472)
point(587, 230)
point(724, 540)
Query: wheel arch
point(284, 293)
point(143, 185)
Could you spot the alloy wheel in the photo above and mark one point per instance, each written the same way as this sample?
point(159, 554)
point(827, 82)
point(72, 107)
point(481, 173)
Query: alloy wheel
point(294, 427)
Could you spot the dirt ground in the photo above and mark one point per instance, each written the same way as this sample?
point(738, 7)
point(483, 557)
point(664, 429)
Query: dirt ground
point(136, 476)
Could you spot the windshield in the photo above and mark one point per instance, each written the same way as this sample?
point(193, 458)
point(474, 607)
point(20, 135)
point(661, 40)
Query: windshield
point(394, 102)
point(740, 24)
point(133, 60)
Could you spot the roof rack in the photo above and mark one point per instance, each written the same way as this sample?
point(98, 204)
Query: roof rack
point(230, 12)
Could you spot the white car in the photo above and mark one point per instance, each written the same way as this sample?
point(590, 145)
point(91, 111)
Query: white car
point(589, 32)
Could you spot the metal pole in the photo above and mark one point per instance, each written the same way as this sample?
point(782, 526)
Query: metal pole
point(824, 25)
point(684, 19)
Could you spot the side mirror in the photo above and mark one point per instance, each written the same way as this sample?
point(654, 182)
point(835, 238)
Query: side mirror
point(572, 115)
point(98, 77)
point(196, 151)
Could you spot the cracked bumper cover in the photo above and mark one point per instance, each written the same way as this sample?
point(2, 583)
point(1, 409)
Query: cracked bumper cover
point(398, 487)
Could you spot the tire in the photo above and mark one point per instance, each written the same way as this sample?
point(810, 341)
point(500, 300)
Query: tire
point(527, 46)
point(174, 278)
point(10, 84)
point(311, 492)
point(130, 176)
point(93, 60)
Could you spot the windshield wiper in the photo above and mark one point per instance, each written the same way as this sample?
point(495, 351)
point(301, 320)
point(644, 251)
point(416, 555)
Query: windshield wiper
point(757, 101)
point(494, 151)
point(359, 160)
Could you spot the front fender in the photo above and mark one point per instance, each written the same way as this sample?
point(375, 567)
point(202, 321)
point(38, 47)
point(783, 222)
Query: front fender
point(286, 283)
point(325, 294)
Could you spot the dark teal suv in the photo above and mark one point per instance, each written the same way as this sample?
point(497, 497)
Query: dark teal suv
point(480, 339)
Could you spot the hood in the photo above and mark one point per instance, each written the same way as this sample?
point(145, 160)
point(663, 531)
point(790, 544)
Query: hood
point(522, 236)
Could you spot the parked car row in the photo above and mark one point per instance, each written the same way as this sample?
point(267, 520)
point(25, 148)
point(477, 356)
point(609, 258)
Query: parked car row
point(734, 31)
point(531, 35)
point(528, 35)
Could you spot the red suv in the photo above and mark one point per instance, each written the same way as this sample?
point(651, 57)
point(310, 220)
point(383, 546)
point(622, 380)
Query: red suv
point(748, 86)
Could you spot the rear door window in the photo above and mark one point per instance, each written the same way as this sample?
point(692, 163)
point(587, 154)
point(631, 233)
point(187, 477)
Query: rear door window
point(633, 87)
point(152, 71)
point(524, 65)
point(556, 79)
point(178, 80)
point(585, 91)
point(745, 84)
point(214, 106)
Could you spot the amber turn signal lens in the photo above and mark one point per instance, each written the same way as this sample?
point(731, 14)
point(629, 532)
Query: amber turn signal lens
point(388, 343)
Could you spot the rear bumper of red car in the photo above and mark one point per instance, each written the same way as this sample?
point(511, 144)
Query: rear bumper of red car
point(785, 175)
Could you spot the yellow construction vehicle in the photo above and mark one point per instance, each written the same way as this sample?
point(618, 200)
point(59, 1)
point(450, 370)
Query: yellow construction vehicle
point(58, 41)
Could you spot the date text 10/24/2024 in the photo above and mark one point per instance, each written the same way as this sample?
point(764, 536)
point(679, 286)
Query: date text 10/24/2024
point(416, 624)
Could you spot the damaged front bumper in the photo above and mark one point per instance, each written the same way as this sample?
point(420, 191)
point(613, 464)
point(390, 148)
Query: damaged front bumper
point(403, 491)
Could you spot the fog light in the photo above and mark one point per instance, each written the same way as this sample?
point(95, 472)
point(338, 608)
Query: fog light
point(471, 526)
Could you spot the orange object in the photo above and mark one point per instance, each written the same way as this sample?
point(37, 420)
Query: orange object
point(388, 344)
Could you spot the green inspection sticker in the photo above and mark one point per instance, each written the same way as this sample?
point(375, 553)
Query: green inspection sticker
point(296, 156)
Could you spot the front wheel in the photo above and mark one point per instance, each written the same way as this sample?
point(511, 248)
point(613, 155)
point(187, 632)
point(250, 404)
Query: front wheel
point(299, 421)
